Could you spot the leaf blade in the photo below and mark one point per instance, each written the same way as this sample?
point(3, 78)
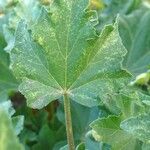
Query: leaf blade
point(75, 61)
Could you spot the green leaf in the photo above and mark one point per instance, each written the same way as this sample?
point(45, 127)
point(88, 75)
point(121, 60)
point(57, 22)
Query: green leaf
point(81, 146)
point(112, 8)
point(138, 126)
point(9, 37)
point(63, 54)
point(48, 137)
point(125, 101)
point(108, 130)
point(145, 146)
point(13, 12)
point(7, 107)
point(136, 41)
point(8, 82)
point(130, 103)
point(47, 133)
point(145, 98)
point(64, 147)
point(27, 136)
point(91, 143)
point(18, 123)
point(59, 145)
point(8, 139)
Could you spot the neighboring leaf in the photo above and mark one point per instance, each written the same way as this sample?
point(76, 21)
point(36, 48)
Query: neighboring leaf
point(48, 137)
point(8, 139)
point(8, 82)
point(18, 123)
point(138, 126)
point(125, 101)
point(7, 107)
point(28, 9)
point(42, 129)
point(134, 31)
point(59, 145)
point(145, 98)
point(108, 130)
point(92, 144)
point(63, 54)
point(81, 146)
point(112, 8)
point(130, 103)
point(28, 136)
point(146, 146)
point(64, 147)
point(9, 37)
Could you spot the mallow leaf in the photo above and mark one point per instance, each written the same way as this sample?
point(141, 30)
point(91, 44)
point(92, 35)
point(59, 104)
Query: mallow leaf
point(92, 144)
point(139, 126)
point(7, 107)
point(64, 147)
point(8, 139)
point(63, 55)
point(112, 8)
point(17, 121)
point(8, 82)
point(134, 31)
point(145, 146)
point(9, 37)
point(145, 98)
point(28, 9)
point(108, 130)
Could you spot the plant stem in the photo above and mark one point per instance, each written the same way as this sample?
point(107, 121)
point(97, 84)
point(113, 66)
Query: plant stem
point(68, 122)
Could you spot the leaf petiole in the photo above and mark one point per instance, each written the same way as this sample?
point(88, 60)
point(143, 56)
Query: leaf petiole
point(69, 130)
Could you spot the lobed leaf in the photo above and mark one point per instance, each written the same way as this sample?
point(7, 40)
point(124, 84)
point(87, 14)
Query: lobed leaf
point(108, 130)
point(134, 31)
point(63, 54)
point(138, 126)
point(8, 138)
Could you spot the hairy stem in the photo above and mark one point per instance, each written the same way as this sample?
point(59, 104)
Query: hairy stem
point(68, 122)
